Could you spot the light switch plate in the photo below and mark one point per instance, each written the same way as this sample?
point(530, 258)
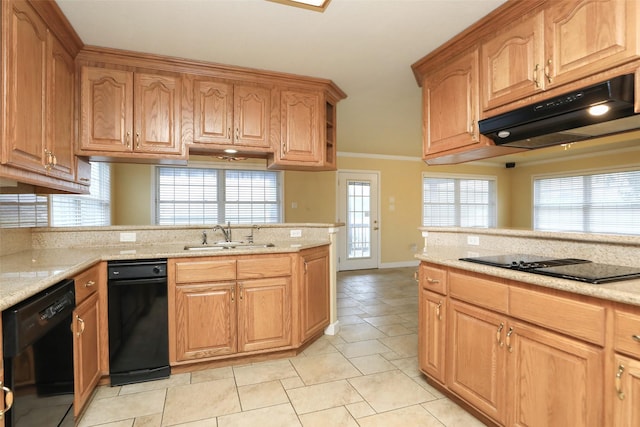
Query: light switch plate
point(295, 233)
point(473, 240)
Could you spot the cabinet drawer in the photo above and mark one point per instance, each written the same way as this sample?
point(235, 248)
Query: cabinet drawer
point(479, 291)
point(205, 270)
point(627, 332)
point(565, 315)
point(433, 278)
point(86, 283)
point(264, 266)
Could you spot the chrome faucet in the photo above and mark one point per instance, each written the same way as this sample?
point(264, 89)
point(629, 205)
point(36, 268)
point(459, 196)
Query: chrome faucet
point(226, 232)
point(204, 237)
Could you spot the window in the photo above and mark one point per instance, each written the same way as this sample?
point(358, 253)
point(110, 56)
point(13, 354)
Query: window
point(214, 196)
point(93, 209)
point(32, 210)
point(23, 210)
point(458, 202)
point(590, 203)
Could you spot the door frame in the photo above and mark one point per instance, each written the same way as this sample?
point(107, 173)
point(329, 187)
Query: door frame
point(341, 215)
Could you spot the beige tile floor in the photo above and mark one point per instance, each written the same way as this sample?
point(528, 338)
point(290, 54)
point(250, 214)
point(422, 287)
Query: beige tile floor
point(367, 375)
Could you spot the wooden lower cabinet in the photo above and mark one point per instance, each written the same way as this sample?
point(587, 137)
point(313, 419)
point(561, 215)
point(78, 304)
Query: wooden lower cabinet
point(2, 391)
point(431, 341)
point(205, 320)
point(314, 293)
point(86, 351)
point(225, 306)
point(553, 380)
point(626, 396)
point(264, 313)
point(476, 358)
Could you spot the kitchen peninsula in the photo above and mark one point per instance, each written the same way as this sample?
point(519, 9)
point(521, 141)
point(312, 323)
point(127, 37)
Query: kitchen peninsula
point(275, 296)
point(483, 329)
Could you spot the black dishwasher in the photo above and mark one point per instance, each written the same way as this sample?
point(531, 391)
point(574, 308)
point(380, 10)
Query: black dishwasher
point(138, 325)
point(38, 358)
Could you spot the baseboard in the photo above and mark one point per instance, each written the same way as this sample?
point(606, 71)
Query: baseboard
point(400, 264)
point(333, 328)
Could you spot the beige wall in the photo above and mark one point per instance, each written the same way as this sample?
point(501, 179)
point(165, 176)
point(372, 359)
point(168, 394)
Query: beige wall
point(131, 194)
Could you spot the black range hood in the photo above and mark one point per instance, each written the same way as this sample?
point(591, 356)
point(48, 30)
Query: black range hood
point(567, 118)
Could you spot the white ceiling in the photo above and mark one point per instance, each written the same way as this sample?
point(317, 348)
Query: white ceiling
point(365, 46)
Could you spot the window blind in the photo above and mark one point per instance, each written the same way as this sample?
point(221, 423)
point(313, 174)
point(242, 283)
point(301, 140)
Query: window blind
point(23, 210)
point(458, 202)
point(590, 203)
point(93, 209)
point(211, 196)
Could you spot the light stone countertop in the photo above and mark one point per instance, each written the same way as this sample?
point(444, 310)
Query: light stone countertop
point(26, 273)
point(626, 291)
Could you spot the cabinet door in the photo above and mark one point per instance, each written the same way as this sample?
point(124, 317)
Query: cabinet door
point(451, 104)
point(556, 381)
point(212, 112)
point(300, 120)
point(431, 334)
point(205, 320)
point(60, 102)
point(264, 314)
point(26, 65)
point(107, 110)
point(512, 63)
point(157, 111)
point(315, 303)
point(252, 107)
point(476, 358)
point(588, 36)
point(626, 399)
point(86, 351)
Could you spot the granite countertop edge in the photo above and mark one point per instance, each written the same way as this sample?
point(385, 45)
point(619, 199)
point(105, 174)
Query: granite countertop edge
point(26, 273)
point(625, 291)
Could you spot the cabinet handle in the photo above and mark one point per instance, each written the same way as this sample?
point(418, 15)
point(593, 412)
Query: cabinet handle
point(547, 71)
point(237, 134)
point(233, 294)
point(228, 133)
point(535, 75)
point(89, 284)
point(8, 399)
point(85, 179)
point(636, 338)
point(472, 127)
point(81, 322)
point(438, 314)
point(509, 340)
point(305, 267)
point(55, 159)
point(48, 159)
point(432, 281)
point(128, 139)
point(499, 335)
point(240, 292)
point(621, 395)
point(415, 276)
point(137, 139)
point(284, 148)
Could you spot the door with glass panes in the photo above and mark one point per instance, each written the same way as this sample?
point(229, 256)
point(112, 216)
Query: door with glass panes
point(358, 210)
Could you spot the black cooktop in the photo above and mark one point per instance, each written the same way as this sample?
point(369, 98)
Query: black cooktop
point(566, 268)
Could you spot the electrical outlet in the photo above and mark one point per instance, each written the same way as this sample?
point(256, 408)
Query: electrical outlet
point(473, 240)
point(295, 233)
point(127, 237)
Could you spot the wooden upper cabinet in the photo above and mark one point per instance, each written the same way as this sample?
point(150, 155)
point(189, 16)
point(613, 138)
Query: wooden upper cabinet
point(306, 131)
point(60, 157)
point(26, 83)
point(513, 63)
point(451, 102)
point(588, 36)
point(126, 112)
point(231, 114)
point(107, 109)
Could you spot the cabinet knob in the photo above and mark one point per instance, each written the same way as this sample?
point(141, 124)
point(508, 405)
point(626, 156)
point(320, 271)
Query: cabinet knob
point(137, 139)
point(636, 338)
point(81, 323)
point(89, 284)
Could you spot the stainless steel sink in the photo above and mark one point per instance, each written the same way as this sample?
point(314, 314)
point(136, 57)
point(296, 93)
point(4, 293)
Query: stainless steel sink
point(228, 245)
